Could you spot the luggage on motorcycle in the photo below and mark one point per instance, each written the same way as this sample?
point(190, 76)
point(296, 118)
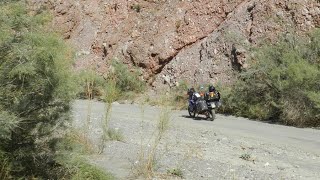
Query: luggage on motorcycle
point(202, 106)
point(196, 96)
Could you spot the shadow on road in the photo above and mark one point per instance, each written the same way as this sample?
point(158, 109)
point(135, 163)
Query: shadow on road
point(197, 118)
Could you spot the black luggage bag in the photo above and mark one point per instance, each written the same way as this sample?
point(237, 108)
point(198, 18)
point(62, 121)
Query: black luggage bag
point(202, 106)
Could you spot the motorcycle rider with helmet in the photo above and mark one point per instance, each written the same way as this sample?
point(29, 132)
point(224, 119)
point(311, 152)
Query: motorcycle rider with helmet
point(193, 98)
point(212, 94)
point(191, 92)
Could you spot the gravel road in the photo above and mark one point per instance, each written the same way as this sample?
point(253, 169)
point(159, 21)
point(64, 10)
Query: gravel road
point(202, 149)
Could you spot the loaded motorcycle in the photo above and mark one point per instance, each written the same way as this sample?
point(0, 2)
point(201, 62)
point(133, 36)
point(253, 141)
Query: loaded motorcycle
point(203, 105)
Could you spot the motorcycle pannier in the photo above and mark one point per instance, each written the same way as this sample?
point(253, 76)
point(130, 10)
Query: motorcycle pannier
point(202, 106)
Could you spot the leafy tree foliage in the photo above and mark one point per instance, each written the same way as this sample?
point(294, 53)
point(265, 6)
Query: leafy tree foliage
point(283, 83)
point(35, 91)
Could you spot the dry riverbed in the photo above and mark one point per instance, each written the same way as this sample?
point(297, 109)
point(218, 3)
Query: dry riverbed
point(227, 148)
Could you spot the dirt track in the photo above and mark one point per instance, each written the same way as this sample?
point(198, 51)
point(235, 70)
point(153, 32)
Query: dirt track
point(203, 149)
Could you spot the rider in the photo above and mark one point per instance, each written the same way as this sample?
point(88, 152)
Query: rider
point(193, 97)
point(212, 94)
point(202, 92)
point(191, 92)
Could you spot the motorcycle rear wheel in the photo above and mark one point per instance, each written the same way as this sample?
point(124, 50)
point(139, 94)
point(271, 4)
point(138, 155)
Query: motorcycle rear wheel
point(212, 114)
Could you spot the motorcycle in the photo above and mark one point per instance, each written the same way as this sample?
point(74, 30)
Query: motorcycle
point(204, 106)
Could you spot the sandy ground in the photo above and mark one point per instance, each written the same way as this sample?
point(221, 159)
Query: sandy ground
point(201, 149)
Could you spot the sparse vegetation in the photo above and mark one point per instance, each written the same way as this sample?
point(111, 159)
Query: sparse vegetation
point(77, 142)
point(124, 82)
point(176, 98)
point(178, 24)
point(120, 83)
point(136, 7)
point(180, 96)
point(112, 94)
point(115, 134)
point(246, 156)
point(71, 156)
point(91, 84)
point(282, 84)
point(146, 163)
point(125, 79)
point(175, 172)
point(85, 171)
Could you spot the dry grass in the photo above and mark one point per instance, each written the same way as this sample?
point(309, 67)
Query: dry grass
point(79, 138)
point(293, 114)
point(145, 166)
point(112, 94)
point(175, 100)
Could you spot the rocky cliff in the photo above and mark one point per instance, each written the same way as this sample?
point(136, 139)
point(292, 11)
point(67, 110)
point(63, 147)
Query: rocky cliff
point(196, 41)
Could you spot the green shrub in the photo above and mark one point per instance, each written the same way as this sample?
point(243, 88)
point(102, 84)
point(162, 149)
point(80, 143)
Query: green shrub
point(283, 84)
point(178, 96)
point(5, 166)
point(73, 149)
point(35, 91)
point(85, 171)
point(91, 84)
point(120, 82)
point(125, 79)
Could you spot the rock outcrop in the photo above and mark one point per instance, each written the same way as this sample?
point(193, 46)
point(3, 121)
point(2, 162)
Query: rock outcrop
point(203, 41)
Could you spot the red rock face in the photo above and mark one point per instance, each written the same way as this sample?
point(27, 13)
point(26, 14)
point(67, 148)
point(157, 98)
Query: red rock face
point(199, 42)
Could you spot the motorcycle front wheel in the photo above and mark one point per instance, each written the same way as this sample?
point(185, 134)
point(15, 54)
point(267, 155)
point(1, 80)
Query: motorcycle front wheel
point(191, 113)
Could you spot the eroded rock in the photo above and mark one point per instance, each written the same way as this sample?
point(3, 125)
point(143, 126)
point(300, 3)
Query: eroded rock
point(197, 42)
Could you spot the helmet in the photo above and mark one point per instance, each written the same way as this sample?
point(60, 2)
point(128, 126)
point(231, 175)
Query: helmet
point(192, 90)
point(211, 88)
